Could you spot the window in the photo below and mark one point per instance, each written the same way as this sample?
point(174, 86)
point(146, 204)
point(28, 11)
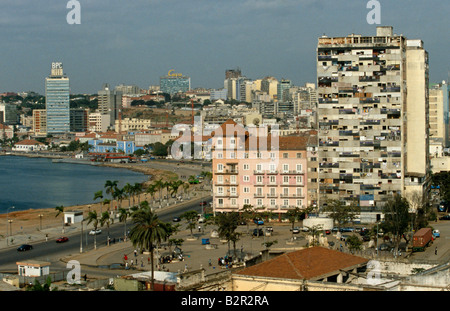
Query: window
point(285, 155)
point(245, 155)
point(246, 167)
point(220, 155)
point(299, 180)
point(299, 203)
point(246, 201)
point(285, 191)
point(286, 202)
point(219, 142)
point(246, 190)
point(299, 168)
point(220, 167)
point(259, 202)
point(272, 155)
point(233, 191)
point(273, 191)
point(246, 178)
point(259, 191)
point(273, 202)
point(220, 179)
point(272, 179)
point(299, 155)
point(299, 192)
point(233, 202)
point(285, 168)
point(259, 179)
point(285, 179)
point(259, 167)
point(219, 190)
point(233, 179)
point(272, 168)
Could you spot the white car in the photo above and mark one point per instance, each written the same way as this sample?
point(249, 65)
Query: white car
point(94, 232)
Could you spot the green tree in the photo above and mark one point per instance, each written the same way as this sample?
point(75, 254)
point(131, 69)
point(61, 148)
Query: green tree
point(340, 212)
point(227, 224)
point(354, 243)
point(38, 287)
point(105, 218)
point(396, 218)
point(147, 232)
point(60, 211)
point(191, 218)
point(123, 216)
point(92, 217)
point(110, 187)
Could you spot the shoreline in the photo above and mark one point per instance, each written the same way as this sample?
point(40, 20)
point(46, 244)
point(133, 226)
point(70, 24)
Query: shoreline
point(30, 220)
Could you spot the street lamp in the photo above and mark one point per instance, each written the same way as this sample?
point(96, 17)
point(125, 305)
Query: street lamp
point(40, 221)
point(8, 222)
point(81, 241)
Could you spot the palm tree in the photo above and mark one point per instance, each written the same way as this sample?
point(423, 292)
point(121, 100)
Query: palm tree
point(147, 232)
point(98, 195)
point(186, 186)
point(151, 190)
point(93, 217)
point(128, 190)
point(60, 210)
point(159, 185)
point(137, 191)
point(106, 219)
point(123, 216)
point(111, 186)
point(175, 185)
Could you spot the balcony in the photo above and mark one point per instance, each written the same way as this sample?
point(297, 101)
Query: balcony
point(258, 172)
point(292, 172)
point(292, 195)
point(258, 195)
point(227, 171)
point(272, 196)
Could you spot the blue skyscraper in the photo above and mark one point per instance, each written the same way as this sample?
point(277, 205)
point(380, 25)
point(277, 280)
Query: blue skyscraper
point(174, 83)
point(57, 102)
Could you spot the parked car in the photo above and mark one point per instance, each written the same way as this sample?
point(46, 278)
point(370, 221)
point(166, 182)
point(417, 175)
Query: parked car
point(176, 219)
point(269, 229)
point(95, 232)
point(384, 247)
point(366, 238)
point(446, 217)
point(327, 232)
point(295, 230)
point(62, 239)
point(258, 232)
point(258, 221)
point(25, 247)
point(436, 233)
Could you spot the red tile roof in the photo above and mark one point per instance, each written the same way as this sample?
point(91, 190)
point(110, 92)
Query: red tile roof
point(29, 142)
point(310, 264)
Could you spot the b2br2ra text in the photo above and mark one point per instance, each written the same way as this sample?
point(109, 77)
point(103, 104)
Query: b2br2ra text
point(229, 301)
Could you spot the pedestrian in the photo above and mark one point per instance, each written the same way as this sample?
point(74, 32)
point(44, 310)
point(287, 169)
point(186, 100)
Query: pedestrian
point(125, 257)
point(135, 253)
point(210, 262)
point(148, 259)
point(131, 262)
point(435, 251)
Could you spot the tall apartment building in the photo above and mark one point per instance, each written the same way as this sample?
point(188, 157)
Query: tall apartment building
point(372, 132)
point(270, 86)
point(110, 102)
point(40, 122)
point(57, 90)
point(79, 120)
point(99, 122)
point(258, 169)
point(283, 86)
point(439, 118)
point(174, 83)
point(8, 113)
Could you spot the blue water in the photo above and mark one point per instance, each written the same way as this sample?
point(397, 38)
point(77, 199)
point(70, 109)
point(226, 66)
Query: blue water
point(32, 183)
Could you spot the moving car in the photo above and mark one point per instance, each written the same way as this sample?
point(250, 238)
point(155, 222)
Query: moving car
point(24, 247)
point(176, 219)
point(62, 239)
point(203, 203)
point(94, 232)
point(258, 232)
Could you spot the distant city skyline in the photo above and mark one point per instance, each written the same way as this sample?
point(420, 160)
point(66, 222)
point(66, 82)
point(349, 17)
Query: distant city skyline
point(137, 42)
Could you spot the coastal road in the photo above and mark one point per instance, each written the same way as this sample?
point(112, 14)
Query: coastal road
point(52, 251)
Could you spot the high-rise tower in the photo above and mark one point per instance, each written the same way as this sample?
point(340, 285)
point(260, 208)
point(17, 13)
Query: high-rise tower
point(57, 90)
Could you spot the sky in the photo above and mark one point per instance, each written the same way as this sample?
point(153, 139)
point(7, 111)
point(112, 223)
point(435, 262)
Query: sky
point(137, 41)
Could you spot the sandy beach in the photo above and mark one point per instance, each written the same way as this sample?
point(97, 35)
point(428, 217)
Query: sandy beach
point(30, 220)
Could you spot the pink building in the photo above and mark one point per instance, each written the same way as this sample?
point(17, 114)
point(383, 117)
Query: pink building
point(262, 170)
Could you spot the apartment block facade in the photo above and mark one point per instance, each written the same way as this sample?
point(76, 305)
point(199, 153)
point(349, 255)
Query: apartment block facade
point(368, 126)
point(258, 169)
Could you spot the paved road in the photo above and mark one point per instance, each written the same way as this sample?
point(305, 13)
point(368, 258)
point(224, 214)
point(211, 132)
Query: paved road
point(52, 251)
